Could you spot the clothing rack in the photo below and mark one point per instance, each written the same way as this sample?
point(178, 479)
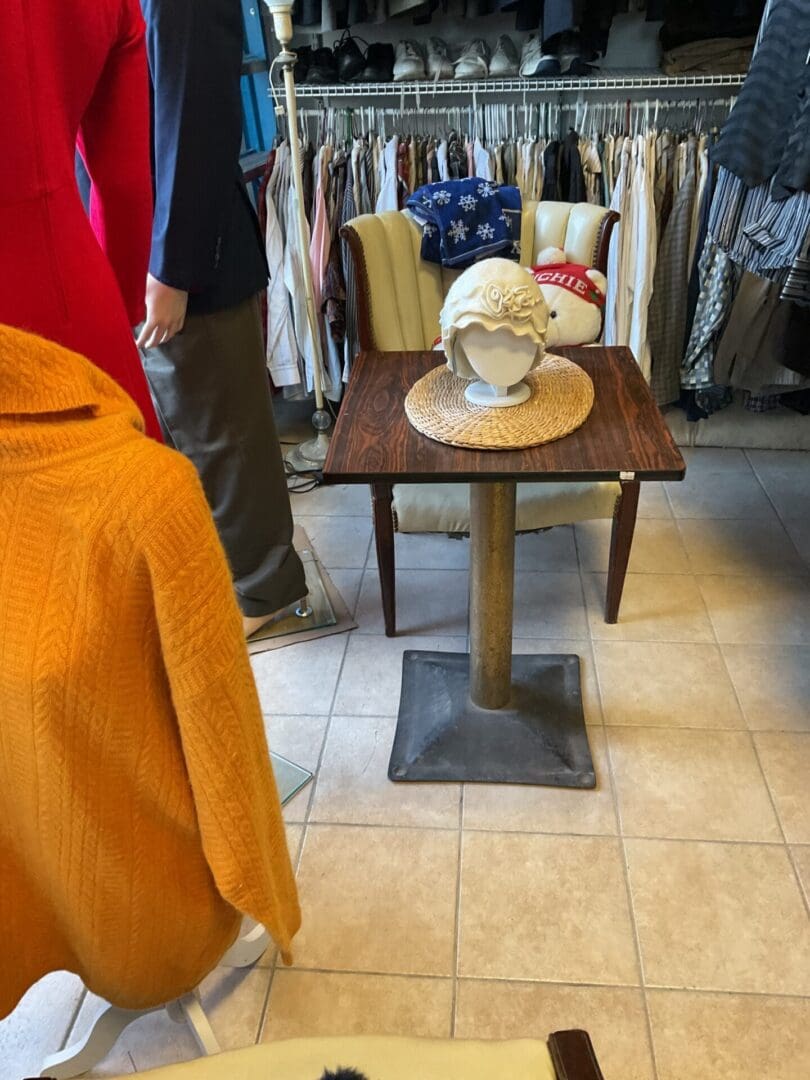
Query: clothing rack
point(497, 87)
point(493, 121)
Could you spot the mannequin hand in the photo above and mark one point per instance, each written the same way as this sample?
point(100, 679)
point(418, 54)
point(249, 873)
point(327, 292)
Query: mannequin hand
point(165, 313)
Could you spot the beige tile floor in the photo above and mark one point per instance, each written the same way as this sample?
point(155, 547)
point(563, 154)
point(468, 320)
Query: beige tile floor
point(666, 911)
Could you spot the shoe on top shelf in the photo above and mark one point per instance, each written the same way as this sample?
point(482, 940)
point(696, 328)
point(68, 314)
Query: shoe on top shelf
point(409, 64)
point(474, 60)
point(504, 62)
point(577, 66)
point(379, 64)
point(439, 64)
point(348, 57)
point(535, 64)
point(302, 62)
point(322, 68)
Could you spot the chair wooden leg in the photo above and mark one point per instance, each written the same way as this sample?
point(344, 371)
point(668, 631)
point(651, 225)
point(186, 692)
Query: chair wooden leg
point(382, 496)
point(621, 540)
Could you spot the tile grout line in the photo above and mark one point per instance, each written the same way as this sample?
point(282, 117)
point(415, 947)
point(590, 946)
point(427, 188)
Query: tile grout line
point(615, 800)
point(628, 886)
point(478, 830)
point(305, 823)
point(523, 981)
point(457, 927)
point(72, 1022)
point(755, 748)
point(780, 519)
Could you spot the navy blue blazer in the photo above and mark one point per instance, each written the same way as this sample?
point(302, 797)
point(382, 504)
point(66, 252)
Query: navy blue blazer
point(205, 237)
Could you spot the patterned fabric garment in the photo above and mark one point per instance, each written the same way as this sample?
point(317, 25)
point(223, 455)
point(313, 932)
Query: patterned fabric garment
point(467, 220)
point(717, 280)
point(797, 285)
point(768, 132)
point(349, 211)
point(747, 230)
point(758, 233)
point(667, 314)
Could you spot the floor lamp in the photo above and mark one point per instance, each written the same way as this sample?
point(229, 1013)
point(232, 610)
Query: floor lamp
point(310, 455)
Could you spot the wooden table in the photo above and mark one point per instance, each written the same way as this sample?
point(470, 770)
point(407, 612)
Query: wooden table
point(490, 716)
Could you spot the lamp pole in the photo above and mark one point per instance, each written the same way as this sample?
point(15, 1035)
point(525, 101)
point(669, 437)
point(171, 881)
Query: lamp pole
point(310, 455)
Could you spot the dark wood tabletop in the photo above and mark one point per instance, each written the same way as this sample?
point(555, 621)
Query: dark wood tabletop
point(625, 432)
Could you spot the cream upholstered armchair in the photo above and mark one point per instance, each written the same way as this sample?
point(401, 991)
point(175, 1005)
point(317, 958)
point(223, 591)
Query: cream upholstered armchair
point(567, 1055)
point(399, 298)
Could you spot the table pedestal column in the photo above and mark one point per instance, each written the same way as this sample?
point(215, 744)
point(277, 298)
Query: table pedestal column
point(492, 575)
point(490, 716)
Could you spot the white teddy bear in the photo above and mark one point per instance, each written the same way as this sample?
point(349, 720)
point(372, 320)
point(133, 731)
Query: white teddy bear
point(575, 296)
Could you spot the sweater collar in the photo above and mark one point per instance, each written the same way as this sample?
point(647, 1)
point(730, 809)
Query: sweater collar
point(54, 402)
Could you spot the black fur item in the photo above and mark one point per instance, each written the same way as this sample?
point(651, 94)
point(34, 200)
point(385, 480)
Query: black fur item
point(343, 1074)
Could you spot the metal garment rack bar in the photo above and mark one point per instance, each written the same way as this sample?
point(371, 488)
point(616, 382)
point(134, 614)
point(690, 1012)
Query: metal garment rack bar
point(496, 87)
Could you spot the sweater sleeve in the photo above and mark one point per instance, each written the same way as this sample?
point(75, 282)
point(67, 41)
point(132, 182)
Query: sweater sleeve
point(218, 712)
point(195, 58)
point(113, 141)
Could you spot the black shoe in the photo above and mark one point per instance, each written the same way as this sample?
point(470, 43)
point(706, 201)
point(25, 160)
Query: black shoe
point(379, 63)
point(349, 58)
point(301, 68)
point(322, 68)
point(579, 67)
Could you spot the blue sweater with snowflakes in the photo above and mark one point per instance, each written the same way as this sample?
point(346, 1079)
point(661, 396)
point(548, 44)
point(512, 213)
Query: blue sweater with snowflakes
point(467, 220)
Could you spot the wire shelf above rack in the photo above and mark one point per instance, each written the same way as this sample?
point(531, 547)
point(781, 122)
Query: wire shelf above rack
point(497, 87)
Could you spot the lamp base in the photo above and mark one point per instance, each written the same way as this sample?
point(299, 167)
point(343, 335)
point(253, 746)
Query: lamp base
point(309, 456)
point(496, 397)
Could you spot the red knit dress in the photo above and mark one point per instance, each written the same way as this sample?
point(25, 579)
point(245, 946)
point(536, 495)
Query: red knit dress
point(75, 74)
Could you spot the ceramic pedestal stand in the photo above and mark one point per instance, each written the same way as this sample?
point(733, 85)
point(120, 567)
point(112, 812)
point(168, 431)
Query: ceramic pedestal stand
point(502, 360)
point(111, 1022)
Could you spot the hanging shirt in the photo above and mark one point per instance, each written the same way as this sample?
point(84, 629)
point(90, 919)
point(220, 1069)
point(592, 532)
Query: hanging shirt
point(282, 352)
point(388, 199)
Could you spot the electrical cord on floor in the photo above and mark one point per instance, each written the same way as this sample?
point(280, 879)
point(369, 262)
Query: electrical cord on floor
point(300, 482)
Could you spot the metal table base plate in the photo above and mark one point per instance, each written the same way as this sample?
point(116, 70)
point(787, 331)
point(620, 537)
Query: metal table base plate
point(539, 738)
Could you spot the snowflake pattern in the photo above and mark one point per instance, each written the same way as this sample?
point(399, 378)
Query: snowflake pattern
point(457, 231)
point(485, 190)
point(429, 230)
point(485, 232)
point(442, 198)
point(516, 247)
point(502, 217)
point(468, 202)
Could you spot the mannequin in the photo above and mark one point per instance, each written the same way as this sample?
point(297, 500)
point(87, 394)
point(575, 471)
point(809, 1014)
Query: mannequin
point(202, 340)
point(75, 75)
point(494, 324)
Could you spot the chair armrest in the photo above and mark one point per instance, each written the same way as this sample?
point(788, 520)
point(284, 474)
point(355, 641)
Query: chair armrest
point(603, 241)
point(362, 290)
point(573, 1055)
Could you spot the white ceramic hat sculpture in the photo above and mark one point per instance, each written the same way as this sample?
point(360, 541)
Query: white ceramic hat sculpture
point(493, 330)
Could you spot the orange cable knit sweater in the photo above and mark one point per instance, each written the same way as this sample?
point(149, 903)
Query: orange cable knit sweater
point(138, 810)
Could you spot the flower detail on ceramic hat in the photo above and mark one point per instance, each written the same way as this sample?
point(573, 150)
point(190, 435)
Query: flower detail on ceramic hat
point(516, 301)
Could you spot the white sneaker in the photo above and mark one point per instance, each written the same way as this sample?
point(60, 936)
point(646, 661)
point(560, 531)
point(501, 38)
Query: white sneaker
point(534, 63)
point(439, 64)
point(473, 62)
point(409, 63)
point(504, 60)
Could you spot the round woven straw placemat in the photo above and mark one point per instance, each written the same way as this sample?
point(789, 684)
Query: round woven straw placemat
point(561, 398)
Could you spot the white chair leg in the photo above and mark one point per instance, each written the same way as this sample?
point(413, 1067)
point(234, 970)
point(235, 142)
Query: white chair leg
point(102, 1036)
point(247, 949)
point(188, 1009)
point(94, 1047)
